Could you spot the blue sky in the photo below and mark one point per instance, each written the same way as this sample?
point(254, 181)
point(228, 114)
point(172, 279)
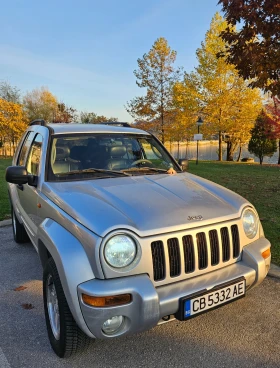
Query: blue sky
point(85, 51)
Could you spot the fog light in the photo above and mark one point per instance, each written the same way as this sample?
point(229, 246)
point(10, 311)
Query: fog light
point(112, 325)
point(266, 253)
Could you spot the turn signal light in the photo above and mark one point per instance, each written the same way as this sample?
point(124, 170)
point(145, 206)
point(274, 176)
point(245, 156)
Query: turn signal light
point(266, 253)
point(106, 301)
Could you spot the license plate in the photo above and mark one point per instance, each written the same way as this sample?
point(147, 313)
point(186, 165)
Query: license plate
point(203, 301)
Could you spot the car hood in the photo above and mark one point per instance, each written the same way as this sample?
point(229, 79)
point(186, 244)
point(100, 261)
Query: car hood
point(147, 205)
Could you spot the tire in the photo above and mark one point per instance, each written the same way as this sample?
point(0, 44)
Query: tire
point(66, 338)
point(20, 234)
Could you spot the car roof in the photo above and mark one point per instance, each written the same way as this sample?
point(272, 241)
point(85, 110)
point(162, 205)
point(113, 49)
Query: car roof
point(62, 128)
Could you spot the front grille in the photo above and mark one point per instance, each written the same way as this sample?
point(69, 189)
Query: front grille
point(235, 241)
point(214, 246)
point(174, 257)
point(188, 253)
point(225, 243)
point(202, 250)
point(195, 253)
point(158, 260)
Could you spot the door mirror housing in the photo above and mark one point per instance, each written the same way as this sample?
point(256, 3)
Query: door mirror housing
point(184, 163)
point(16, 175)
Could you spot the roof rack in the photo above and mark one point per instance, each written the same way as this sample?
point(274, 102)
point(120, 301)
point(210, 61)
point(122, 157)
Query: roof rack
point(38, 122)
point(116, 123)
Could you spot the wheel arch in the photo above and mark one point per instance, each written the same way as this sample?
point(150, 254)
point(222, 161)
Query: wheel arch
point(71, 261)
point(43, 252)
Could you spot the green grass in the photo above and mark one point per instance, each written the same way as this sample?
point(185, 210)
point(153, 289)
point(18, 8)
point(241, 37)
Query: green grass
point(259, 184)
point(5, 211)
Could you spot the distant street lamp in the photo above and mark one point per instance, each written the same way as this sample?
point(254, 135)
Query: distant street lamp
point(198, 123)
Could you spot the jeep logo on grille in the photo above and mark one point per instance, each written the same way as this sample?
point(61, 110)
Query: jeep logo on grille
point(199, 217)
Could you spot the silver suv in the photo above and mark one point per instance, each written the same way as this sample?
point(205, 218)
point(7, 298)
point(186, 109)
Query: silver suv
point(126, 238)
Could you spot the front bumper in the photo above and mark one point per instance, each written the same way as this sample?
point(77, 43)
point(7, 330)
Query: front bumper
point(150, 304)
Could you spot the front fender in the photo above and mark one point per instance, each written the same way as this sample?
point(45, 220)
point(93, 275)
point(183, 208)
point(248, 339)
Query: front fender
point(71, 261)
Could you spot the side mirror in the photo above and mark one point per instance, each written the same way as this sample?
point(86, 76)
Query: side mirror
point(184, 163)
point(16, 175)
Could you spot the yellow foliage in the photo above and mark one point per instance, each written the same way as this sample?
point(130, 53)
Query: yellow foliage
point(216, 91)
point(40, 104)
point(12, 121)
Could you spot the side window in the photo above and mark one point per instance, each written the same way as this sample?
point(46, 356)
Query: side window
point(25, 148)
point(34, 156)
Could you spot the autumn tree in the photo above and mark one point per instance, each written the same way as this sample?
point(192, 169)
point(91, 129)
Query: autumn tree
point(9, 93)
point(254, 48)
point(157, 74)
point(93, 118)
point(64, 114)
point(262, 142)
point(246, 105)
point(216, 92)
point(12, 123)
point(185, 99)
point(40, 104)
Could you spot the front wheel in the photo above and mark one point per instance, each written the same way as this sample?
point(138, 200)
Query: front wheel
point(65, 336)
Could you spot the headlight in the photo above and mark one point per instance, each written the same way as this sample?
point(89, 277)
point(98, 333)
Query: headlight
point(250, 223)
point(120, 251)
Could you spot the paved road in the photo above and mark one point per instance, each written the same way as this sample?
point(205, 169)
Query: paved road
point(243, 334)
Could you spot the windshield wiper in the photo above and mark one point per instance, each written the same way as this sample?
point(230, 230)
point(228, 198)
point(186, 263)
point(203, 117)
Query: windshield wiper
point(145, 168)
point(93, 170)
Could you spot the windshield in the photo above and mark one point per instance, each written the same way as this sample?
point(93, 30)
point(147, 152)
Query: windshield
point(79, 156)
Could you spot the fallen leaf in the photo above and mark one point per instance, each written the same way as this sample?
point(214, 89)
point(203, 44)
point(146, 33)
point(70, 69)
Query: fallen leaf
point(20, 288)
point(27, 306)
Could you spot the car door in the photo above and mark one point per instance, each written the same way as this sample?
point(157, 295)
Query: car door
point(28, 194)
point(20, 160)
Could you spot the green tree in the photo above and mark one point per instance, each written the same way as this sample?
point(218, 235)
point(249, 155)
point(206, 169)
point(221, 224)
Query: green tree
point(157, 75)
point(93, 118)
point(262, 142)
point(40, 104)
point(255, 47)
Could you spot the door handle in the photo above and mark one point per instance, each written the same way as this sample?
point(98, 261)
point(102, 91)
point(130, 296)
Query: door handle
point(20, 187)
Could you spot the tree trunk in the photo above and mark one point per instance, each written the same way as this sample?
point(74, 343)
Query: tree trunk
point(261, 160)
point(178, 155)
point(170, 146)
point(239, 154)
point(186, 149)
point(162, 129)
point(5, 151)
point(230, 150)
point(279, 151)
point(220, 146)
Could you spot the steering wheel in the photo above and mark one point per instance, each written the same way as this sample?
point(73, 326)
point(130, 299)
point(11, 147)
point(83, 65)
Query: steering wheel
point(142, 161)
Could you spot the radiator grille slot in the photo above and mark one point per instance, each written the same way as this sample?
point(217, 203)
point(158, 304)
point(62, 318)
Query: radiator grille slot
point(158, 260)
point(174, 257)
point(188, 253)
point(225, 243)
point(202, 250)
point(235, 241)
point(214, 246)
